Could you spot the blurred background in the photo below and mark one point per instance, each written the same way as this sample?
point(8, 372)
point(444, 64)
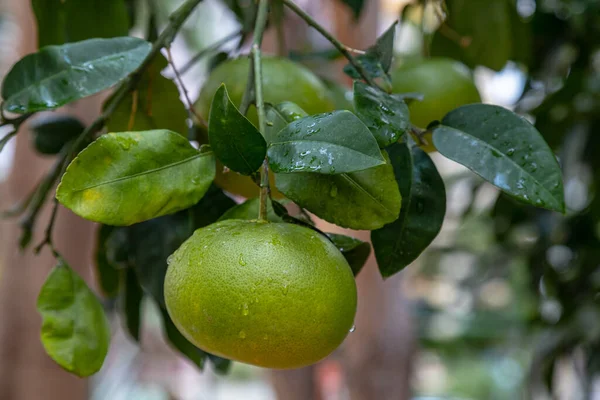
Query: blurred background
point(504, 305)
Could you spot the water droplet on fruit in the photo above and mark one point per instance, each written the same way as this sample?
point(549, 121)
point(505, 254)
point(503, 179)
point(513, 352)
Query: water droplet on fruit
point(265, 337)
point(245, 310)
point(284, 290)
point(242, 335)
point(242, 261)
point(352, 329)
point(333, 191)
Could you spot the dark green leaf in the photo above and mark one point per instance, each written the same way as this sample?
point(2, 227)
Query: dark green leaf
point(57, 75)
point(214, 203)
point(385, 115)
point(366, 199)
point(355, 251)
point(106, 272)
point(355, 5)
point(154, 105)
point(330, 143)
point(52, 133)
point(378, 58)
point(221, 365)
point(129, 177)
point(235, 141)
point(60, 21)
point(193, 353)
point(277, 117)
point(245, 12)
point(423, 208)
point(249, 210)
point(75, 331)
point(131, 304)
point(504, 149)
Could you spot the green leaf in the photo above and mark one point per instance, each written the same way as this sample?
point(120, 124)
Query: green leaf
point(235, 141)
point(385, 115)
point(221, 365)
point(155, 104)
point(355, 251)
point(330, 143)
point(245, 12)
point(107, 274)
point(366, 199)
point(277, 117)
point(57, 75)
point(131, 303)
point(249, 210)
point(398, 244)
point(377, 60)
point(52, 133)
point(355, 5)
point(129, 177)
point(504, 149)
point(75, 330)
point(178, 341)
point(60, 21)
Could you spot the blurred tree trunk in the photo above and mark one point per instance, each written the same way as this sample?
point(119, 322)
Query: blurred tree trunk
point(377, 358)
point(26, 372)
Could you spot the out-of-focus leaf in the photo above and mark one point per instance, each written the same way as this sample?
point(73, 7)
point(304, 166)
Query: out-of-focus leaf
point(107, 273)
point(52, 133)
point(355, 251)
point(178, 341)
point(131, 304)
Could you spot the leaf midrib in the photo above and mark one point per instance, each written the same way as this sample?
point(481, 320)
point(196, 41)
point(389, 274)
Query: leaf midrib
point(380, 158)
point(357, 185)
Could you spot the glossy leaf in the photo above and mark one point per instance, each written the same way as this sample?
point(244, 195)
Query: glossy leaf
point(107, 274)
point(75, 330)
point(278, 116)
point(504, 149)
point(249, 210)
point(330, 143)
point(178, 341)
point(131, 303)
point(235, 141)
point(377, 60)
point(398, 244)
point(155, 104)
point(52, 133)
point(366, 199)
point(57, 75)
point(60, 21)
point(386, 116)
point(129, 177)
point(355, 251)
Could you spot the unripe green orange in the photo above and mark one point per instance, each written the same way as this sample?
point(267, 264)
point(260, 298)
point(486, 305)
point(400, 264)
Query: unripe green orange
point(275, 295)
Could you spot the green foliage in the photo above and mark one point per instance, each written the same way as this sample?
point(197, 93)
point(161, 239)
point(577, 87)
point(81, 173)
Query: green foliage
point(58, 75)
point(131, 302)
point(277, 117)
point(52, 133)
point(378, 58)
point(355, 251)
point(236, 142)
point(75, 331)
point(398, 244)
point(331, 143)
point(106, 181)
point(504, 149)
point(249, 210)
point(386, 116)
point(107, 271)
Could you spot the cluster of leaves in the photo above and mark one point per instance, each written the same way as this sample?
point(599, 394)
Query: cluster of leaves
point(150, 188)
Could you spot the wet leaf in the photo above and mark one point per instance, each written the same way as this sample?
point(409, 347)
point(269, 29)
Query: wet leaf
point(75, 330)
point(330, 143)
point(235, 141)
point(355, 251)
point(57, 75)
point(398, 244)
point(504, 149)
point(385, 115)
point(129, 177)
point(278, 116)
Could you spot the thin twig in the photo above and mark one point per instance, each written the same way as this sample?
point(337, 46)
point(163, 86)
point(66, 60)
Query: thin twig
point(209, 49)
point(189, 102)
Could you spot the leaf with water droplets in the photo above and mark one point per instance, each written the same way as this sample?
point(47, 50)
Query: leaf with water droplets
point(355, 251)
point(279, 116)
point(423, 208)
point(330, 143)
point(57, 75)
point(235, 141)
point(504, 149)
point(129, 177)
point(385, 115)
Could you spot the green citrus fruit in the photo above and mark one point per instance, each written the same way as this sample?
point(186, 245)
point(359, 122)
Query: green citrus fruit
point(445, 84)
point(283, 80)
point(275, 295)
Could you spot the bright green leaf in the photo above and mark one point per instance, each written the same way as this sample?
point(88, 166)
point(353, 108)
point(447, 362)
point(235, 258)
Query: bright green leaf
point(131, 304)
point(366, 199)
point(504, 149)
point(235, 141)
point(155, 104)
point(129, 177)
point(75, 330)
point(423, 208)
point(330, 143)
point(57, 75)
point(249, 210)
point(385, 115)
point(355, 251)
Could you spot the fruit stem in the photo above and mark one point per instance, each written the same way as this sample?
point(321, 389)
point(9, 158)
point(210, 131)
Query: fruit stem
point(345, 50)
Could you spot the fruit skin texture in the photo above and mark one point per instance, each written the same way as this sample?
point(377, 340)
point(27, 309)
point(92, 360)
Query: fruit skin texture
point(275, 295)
point(445, 84)
point(283, 80)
